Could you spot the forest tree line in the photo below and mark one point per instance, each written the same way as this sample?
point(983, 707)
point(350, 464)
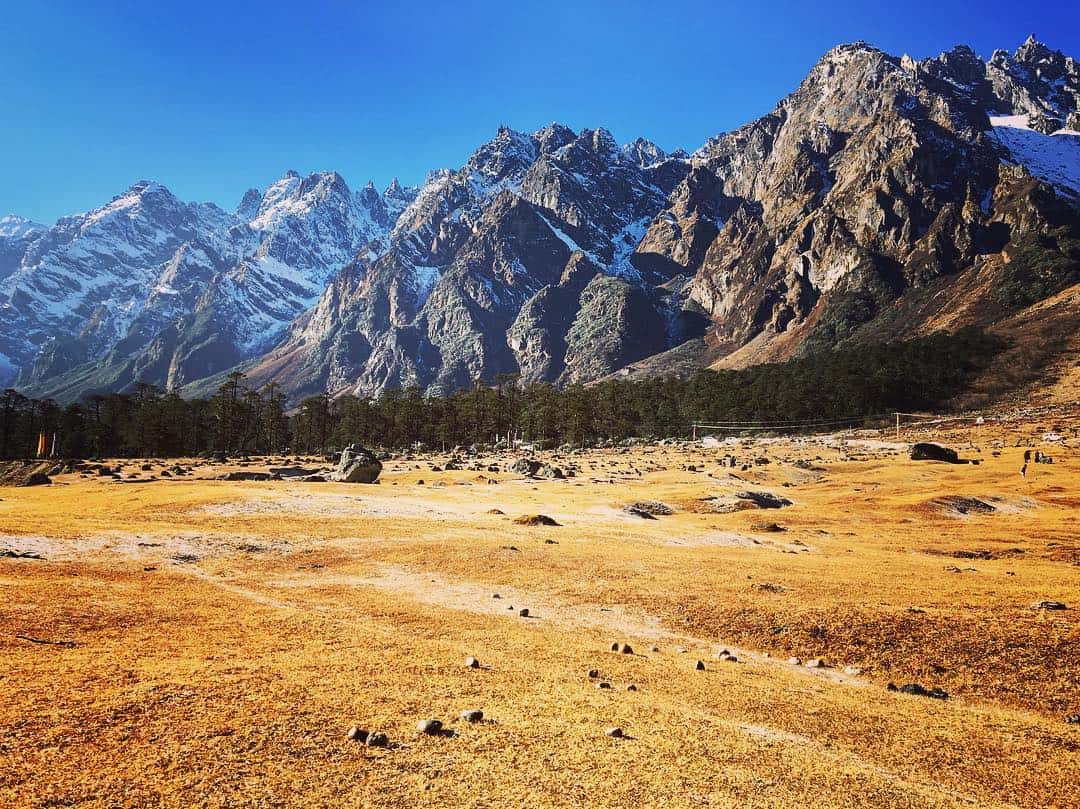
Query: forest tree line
point(846, 383)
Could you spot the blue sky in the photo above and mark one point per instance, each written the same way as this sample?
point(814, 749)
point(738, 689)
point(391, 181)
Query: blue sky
point(212, 98)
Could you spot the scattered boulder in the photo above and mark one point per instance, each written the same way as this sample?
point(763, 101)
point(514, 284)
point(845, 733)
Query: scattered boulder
point(472, 716)
point(1072, 719)
point(648, 509)
point(378, 739)
point(603, 686)
point(358, 465)
point(614, 733)
point(429, 727)
point(36, 479)
point(700, 665)
point(524, 612)
point(241, 474)
point(626, 649)
point(916, 690)
point(958, 505)
point(768, 527)
point(472, 663)
point(1048, 605)
point(550, 472)
point(534, 519)
point(525, 466)
point(357, 735)
point(927, 451)
point(741, 501)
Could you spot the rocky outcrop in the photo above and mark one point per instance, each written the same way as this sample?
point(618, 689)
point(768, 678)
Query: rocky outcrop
point(357, 465)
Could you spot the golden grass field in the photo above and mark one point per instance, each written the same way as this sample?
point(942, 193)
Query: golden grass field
point(222, 637)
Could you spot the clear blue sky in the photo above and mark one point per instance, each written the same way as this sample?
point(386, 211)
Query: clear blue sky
point(96, 94)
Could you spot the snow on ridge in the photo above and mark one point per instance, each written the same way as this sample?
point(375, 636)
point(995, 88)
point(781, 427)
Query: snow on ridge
point(13, 226)
point(1054, 159)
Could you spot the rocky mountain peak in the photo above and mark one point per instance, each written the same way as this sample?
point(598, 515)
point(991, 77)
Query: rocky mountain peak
point(1031, 52)
point(18, 227)
point(248, 208)
point(553, 137)
point(643, 152)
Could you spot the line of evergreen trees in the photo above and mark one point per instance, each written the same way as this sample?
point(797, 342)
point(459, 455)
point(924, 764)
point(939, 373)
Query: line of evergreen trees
point(848, 382)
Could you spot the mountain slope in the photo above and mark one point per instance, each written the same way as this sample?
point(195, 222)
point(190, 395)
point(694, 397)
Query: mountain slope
point(885, 197)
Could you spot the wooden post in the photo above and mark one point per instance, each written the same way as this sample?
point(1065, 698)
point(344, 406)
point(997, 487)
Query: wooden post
point(897, 426)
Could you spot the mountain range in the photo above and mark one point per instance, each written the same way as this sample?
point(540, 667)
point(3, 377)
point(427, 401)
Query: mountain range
point(885, 197)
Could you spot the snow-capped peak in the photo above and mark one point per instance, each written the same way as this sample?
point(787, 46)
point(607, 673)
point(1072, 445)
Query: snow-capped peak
point(296, 196)
point(18, 227)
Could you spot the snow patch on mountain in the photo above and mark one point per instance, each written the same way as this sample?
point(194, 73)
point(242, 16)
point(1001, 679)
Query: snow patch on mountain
point(17, 227)
point(1054, 158)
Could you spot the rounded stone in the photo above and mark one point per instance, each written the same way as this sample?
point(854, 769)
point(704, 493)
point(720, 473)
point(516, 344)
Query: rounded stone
point(472, 716)
point(357, 735)
point(377, 739)
point(472, 663)
point(524, 612)
point(614, 733)
point(700, 665)
point(431, 727)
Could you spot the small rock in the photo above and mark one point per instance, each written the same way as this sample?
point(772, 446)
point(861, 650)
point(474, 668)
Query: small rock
point(615, 647)
point(815, 663)
point(614, 733)
point(593, 674)
point(472, 716)
point(1048, 605)
point(524, 612)
point(472, 663)
point(431, 727)
point(916, 690)
point(655, 649)
point(631, 687)
point(377, 739)
point(700, 665)
point(357, 735)
point(794, 661)
point(626, 649)
point(603, 686)
point(1073, 719)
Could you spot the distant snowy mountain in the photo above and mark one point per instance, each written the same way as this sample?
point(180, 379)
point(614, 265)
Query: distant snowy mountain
point(149, 287)
point(884, 197)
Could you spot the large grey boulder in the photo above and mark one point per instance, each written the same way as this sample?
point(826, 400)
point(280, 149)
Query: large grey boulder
point(358, 465)
point(927, 451)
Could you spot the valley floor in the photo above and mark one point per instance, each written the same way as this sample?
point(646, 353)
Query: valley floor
point(189, 641)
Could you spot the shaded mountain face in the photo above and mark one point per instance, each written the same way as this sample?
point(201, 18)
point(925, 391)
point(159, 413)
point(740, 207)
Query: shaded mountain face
point(878, 183)
point(478, 252)
point(885, 197)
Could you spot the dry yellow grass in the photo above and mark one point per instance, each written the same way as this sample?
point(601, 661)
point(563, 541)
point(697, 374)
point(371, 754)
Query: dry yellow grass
point(227, 635)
